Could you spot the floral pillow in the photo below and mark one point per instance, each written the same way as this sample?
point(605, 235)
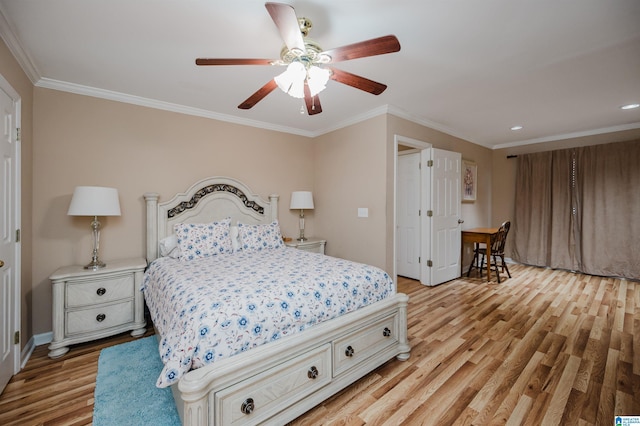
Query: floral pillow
point(260, 237)
point(197, 240)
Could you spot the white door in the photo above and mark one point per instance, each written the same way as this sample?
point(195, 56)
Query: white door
point(408, 216)
point(9, 351)
point(445, 216)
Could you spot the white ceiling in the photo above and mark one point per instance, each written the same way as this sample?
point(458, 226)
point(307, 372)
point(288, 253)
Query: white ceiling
point(471, 68)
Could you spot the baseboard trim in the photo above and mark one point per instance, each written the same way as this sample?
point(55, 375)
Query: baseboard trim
point(37, 340)
point(26, 352)
point(43, 339)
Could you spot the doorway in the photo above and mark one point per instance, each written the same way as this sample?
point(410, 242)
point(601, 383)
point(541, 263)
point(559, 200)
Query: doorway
point(427, 208)
point(408, 229)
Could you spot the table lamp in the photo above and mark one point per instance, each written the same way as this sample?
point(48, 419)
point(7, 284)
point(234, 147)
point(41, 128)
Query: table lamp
point(94, 201)
point(302, 200)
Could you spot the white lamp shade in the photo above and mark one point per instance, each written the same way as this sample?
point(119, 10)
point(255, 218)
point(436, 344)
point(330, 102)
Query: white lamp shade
point(318, 78)
point(94, 201)
point(292, 80)
point(301, 200)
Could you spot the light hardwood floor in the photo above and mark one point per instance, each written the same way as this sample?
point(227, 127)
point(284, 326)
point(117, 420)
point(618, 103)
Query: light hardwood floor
point(542, 348)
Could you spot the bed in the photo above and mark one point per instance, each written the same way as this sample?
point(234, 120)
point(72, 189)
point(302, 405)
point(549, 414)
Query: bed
point(286, 371)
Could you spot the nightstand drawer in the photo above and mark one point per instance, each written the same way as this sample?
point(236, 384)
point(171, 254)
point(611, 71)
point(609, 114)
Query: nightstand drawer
point(316, 247)
point(90, 292)
point(98, 318)
point(313, 245)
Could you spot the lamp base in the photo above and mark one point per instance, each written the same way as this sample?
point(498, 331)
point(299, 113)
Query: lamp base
point(95, 265)
point(301, 239)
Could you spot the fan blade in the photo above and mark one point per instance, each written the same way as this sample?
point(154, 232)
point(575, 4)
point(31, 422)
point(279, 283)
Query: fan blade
point(313, 102)
point(259, 95)
point(284, 16)
point(232, 61)
point(357, 81)
point(373, 47)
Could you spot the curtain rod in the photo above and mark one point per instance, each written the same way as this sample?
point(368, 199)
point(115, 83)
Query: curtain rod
point(512, 156)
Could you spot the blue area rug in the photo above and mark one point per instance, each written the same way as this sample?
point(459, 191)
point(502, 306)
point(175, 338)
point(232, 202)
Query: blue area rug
point(126, 392)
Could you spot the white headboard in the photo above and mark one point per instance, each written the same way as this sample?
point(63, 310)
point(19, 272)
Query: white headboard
point(210, 199)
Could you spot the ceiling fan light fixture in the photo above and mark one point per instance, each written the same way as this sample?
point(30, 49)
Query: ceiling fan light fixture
point(292, 80)
point(317, 79)
point(305, 76)
point(296, 75)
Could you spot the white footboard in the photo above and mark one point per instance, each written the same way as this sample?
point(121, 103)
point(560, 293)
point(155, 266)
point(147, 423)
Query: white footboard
point(281, 380)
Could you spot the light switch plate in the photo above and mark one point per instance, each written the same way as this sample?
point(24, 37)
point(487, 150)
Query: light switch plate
point(363, 212)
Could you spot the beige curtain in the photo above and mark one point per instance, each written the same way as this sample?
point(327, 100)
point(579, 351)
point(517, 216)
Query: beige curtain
point(579, 209)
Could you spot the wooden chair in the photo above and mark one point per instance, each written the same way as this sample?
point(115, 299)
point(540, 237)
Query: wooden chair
point(497, 251)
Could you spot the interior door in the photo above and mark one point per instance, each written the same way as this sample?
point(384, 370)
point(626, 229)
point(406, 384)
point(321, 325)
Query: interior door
point(446, 203)
point(408, 233)
point(8, 281)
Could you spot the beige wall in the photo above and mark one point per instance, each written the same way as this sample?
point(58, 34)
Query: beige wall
point(80, 140)
point(19, 81)
point(504, 169)
point(350, 172)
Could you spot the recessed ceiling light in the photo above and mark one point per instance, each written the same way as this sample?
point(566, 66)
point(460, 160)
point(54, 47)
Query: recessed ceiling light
point(516, 128)
point(630, 106)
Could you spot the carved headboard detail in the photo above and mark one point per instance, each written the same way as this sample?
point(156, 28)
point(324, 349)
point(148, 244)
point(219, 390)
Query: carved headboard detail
point(210, 199)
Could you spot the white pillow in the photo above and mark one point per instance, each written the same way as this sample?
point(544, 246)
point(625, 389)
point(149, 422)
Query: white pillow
point(235, 238)
point(260, 237)
point(169, 247)
point(198, 240)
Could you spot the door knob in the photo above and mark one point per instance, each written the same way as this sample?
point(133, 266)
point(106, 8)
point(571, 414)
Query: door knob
point(1, 263)
point(460, 221)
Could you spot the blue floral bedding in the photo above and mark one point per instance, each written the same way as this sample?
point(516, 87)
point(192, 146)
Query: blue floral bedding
point(211, 308)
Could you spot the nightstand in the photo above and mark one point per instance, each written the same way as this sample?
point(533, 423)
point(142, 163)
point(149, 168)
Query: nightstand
point(315, 245)
point(89, 305)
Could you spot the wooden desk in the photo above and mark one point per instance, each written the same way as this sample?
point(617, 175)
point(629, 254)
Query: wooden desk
point(480, 235)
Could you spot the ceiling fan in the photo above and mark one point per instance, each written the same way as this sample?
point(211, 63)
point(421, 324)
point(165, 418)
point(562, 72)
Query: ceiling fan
point(307, 73)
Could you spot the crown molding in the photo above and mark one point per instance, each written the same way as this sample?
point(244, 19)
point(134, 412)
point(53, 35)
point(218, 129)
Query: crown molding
point(7, 33)
point(593, 132)
point(353, 120)
point(166, 106)
point(432, 124)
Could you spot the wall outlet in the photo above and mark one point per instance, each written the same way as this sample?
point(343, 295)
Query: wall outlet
point(363, 212)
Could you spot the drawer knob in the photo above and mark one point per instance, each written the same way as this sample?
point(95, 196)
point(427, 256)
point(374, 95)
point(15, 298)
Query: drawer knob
point(313, 372)
point(386, 332)
point(100, 317)
point(101, 291)
point(247, 406)
point(349, 351)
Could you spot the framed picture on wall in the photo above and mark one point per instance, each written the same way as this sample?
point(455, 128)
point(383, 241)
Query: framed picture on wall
point(469, 180)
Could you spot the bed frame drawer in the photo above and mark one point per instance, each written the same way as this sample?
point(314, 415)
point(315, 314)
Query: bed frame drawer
point(258, 398)
point(356, 347)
